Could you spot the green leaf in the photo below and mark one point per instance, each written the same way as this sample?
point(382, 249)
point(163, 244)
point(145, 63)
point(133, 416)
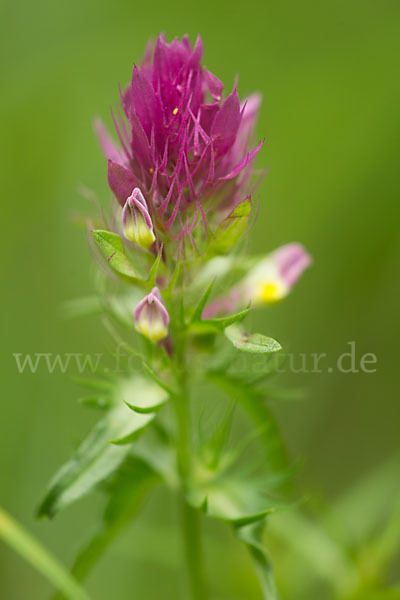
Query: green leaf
point(131, 433)
point(235, 493)
point(231, 498)
point(95, 459)
point(126, 492)
point(222, 323)
point(120, 306)
point(381, 550)
point(196, 316)
point(252, 402)
point(214, 445)
point(82, 307)
point(158, 380)
point(256, 343)
point(97, 384)
point(159, 453)
point(33, 552)
point(142, 395)
point(151, 280)
point(230, 230)
point(112, 249)
point(241, 499)
point(206, 326)
point(101, 402)
point(310, 544)
point(251, 536)
point(168, 291)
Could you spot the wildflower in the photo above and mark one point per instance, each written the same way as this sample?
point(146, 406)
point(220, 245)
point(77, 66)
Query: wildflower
point(151, 316)
point(269, 281)
point(138, 226)
point(273, 277)
point(182, 143)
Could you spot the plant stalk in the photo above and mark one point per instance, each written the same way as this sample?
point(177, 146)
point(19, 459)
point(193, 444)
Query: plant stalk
point(190, 518)
point(193, 550)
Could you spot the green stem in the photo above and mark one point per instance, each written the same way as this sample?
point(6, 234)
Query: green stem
point(184, 447)
point(33, 552)
point(193, 550)
point(190, 520)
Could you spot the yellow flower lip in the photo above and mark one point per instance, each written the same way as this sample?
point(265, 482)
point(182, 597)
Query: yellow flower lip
point(154, 331)
point(136, 220)
point(151, 317)
point(139, 232)
point(269, 292)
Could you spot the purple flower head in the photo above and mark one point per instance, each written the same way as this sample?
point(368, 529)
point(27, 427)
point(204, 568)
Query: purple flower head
point(138, 226)
point(151, 316)
point(182, 141)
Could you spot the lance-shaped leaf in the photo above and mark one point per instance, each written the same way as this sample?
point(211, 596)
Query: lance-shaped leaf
point(308, 540)
point(152, 277)
point(252, 401)
point(256, 343)
point(222, 323)
point(231, 229)
point(126, 493)
point(82, 307)
point(251, 535)
point(168, 291)
point(243, 498)
point(95, 459)
point(196, 315)
point(105, 386)
point(159, 381)
point(101, 402)
point(142, 395)
point(230, 498)
point(112, 248)
point(217, 325)
point(158, 451)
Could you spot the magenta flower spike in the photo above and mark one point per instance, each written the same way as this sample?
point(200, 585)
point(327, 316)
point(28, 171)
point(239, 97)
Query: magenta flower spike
point(151, 316)
point(182, 143)
point(136, 220)
point(182, 173)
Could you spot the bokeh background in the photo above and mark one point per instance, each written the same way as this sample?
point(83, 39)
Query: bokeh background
point(328, 73)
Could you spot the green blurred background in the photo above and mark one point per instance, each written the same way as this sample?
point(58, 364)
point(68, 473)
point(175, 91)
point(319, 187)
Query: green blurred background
point(328, 73)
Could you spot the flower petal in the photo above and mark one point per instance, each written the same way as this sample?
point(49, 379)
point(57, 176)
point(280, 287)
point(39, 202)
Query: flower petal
point(121, 181)
point(110, 148)
point(145, 101)
point(242, 164)
point(226, 123)
point(214, 85)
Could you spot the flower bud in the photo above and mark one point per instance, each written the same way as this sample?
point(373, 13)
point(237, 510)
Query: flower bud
point(273, 277)
point(136, 220)
point(151, 317)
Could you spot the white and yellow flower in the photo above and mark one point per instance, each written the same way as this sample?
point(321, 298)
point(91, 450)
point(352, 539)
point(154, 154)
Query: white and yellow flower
point(136, 220)
point(151, 317)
